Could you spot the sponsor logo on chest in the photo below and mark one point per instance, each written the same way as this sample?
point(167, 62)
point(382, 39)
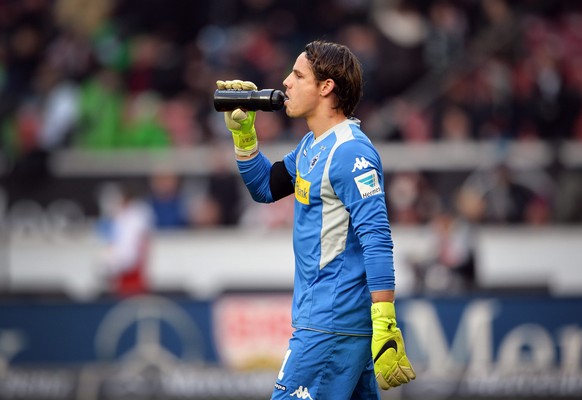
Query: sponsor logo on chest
point(302, 187)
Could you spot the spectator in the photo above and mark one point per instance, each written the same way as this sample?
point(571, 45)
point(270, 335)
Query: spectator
point(411, 199)
point(505, 199)
point(450, 266)
point(224, 189)
point(447, 32)
point(60, 110)
point(142, 126)
point(168, 202)
point(126, 229)
point(101, 107)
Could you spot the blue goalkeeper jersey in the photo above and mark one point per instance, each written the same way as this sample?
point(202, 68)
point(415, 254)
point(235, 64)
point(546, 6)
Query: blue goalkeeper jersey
point(341, 236)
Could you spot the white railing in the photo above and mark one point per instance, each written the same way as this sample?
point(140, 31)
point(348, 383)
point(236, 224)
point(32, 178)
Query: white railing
point(437, 156)
point(205, 262)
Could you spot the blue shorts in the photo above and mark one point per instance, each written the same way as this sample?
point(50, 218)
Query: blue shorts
point(320, 366)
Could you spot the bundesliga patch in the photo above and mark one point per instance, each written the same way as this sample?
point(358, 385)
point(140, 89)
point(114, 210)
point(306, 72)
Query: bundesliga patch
point(368, 184)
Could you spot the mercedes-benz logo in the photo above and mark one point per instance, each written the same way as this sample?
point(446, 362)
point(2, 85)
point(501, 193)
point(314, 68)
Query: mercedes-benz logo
point(145, 317)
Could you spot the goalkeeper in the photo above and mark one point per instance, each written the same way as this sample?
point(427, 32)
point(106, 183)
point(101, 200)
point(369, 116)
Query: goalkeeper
point(346, 341)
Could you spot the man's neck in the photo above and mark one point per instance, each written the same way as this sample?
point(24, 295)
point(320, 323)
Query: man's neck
point(321, 125)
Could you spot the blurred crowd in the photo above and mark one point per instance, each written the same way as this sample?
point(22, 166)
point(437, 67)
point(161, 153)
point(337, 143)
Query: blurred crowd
point(128, 73)
point(140, 74)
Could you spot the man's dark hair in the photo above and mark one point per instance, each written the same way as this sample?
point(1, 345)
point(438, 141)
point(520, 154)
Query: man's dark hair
point(337, 62)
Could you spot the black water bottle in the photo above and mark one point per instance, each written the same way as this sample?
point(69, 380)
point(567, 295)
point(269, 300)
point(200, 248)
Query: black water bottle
point(249, 100)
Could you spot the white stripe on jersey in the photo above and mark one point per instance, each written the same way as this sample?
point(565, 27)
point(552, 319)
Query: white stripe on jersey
point(335, 218)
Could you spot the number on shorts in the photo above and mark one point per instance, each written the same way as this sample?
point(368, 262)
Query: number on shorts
point(281, 373)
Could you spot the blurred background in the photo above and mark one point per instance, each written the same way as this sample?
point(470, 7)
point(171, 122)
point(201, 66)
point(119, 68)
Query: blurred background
point(134, 265)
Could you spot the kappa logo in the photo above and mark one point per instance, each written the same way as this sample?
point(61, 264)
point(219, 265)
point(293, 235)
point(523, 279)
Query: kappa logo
point(302, 393)
point(360, 164)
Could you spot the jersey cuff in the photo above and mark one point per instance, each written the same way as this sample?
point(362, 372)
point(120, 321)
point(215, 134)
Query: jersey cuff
point(380, 276)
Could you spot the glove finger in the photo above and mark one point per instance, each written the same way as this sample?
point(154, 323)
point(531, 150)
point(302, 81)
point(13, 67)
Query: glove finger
point(239, 115)
point(236, 84)
point(394, 382)
point(399, 377)
point(409, 373)
point(228, 85)
point(382, 381)
point(230, 122)
point(248, 85)
point(406, 367)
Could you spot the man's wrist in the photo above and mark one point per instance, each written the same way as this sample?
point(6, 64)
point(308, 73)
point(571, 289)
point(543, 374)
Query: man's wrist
point(243, 155)
point(382, 296)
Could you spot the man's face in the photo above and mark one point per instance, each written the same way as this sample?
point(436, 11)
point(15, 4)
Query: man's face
point(303, 90)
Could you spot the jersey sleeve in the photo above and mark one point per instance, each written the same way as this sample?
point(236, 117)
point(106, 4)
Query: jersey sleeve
point(357, 179)
point(256, 174)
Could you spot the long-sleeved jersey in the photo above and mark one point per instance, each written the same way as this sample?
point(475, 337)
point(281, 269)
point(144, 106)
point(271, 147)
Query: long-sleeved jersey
point(341, 236)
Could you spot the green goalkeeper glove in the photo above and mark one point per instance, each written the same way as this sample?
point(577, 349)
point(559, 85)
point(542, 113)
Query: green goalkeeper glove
point(391, 365)
point(241, 123)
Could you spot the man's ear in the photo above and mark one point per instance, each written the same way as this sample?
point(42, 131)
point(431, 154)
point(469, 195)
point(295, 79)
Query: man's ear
point(327, 87)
